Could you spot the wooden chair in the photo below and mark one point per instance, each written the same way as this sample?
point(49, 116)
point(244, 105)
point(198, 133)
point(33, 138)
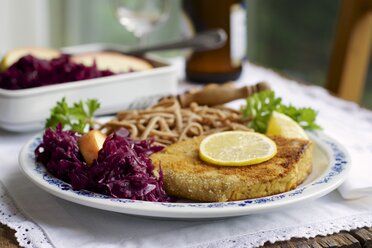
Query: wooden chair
point(351, 51)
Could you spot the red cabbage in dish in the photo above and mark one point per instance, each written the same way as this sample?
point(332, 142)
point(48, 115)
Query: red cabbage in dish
point(123, 168)
point(30, 72)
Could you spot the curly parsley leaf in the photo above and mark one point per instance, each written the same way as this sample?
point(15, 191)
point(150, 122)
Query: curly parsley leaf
point(93, 105)
point(78, 117)
point(260, 106)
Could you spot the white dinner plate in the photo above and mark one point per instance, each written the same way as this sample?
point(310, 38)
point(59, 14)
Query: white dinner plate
point(330, 165)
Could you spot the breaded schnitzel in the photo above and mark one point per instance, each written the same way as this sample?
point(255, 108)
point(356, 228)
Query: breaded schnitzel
point(187, 176)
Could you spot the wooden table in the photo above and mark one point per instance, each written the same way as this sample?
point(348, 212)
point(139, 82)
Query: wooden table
point(361, 237)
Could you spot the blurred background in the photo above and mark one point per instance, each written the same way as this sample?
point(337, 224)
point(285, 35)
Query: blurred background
point(292, 37)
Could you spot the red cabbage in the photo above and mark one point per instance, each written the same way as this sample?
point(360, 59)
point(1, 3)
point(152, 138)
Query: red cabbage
point(30, 72)
point(123, 168)
point(59, 153)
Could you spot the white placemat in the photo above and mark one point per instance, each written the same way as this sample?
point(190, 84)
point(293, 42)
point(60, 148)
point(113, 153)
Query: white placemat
point(42, 220)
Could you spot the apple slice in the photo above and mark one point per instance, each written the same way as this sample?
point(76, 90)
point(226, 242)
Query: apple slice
point(14, 55)
point(90, 144)
point(115, 62)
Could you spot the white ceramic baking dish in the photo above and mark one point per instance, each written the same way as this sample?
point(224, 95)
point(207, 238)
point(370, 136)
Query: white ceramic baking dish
point(26, 110)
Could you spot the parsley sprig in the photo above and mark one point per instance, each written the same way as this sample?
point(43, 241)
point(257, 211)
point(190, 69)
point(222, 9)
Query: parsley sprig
point(260, 106)
point(78, 117)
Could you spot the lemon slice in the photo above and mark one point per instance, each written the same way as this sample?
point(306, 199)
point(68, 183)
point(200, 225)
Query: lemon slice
point(236, 148)
point(282, 125)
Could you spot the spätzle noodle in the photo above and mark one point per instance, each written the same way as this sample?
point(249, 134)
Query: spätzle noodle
point(166, 122)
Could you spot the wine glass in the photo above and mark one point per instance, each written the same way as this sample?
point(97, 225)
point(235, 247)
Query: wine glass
point(141, 16)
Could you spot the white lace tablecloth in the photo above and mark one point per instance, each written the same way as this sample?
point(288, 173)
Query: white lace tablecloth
point(42, 220)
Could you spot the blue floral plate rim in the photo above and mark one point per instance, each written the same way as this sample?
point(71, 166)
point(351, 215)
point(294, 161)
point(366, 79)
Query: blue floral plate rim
point(333, 174)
